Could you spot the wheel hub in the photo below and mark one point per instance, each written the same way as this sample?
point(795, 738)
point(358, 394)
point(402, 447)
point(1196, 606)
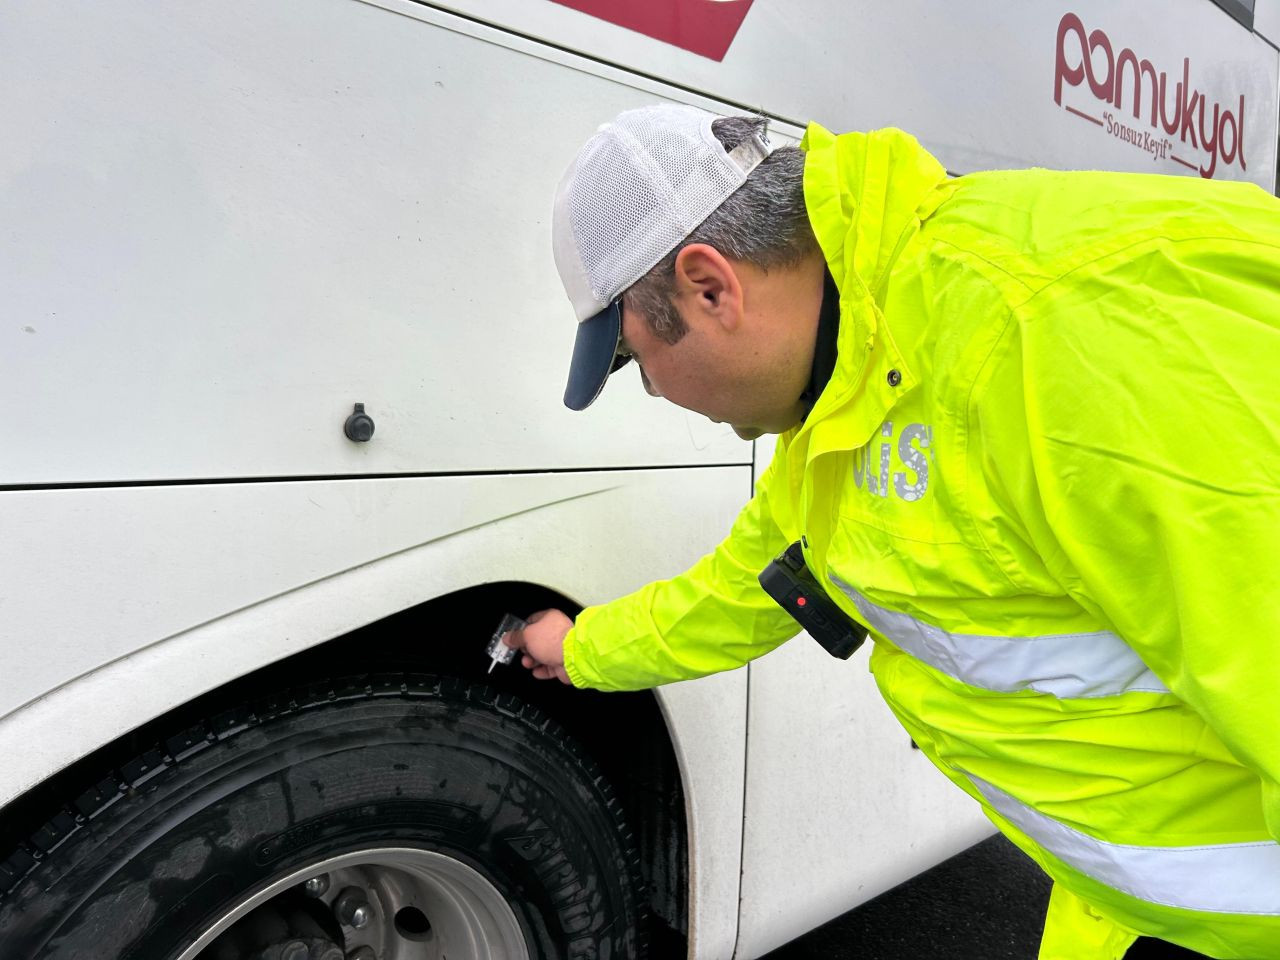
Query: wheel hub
point(377, 904)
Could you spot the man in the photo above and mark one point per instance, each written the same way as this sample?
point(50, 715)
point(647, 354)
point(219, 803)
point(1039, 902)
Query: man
point(1030, 435)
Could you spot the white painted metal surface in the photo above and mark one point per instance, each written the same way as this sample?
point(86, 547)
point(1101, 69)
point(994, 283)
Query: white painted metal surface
point(1266, 20)
point(708, 720)
point(90, 575)
point(974, 81)
point(226, 223)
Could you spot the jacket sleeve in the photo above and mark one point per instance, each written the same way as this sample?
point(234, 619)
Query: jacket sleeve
point(1144, 391)
point(713, 617)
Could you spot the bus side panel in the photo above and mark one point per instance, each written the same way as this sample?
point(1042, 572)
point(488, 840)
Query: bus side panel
point(226, 224)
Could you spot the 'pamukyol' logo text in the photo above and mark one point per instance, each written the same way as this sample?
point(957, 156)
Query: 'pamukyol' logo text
point(1170, 118)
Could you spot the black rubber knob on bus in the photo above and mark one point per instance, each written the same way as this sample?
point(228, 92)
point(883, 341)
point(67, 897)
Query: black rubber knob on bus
point(359, 426)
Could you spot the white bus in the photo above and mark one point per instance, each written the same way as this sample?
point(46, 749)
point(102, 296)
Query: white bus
point(281, 355)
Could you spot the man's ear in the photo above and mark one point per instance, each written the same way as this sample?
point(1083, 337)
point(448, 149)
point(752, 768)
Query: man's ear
point(709, 286)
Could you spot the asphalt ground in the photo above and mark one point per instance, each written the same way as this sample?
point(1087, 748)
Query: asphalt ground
point(986, 903)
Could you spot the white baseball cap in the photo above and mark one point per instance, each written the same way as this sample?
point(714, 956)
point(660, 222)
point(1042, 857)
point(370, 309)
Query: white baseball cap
point(634, 191)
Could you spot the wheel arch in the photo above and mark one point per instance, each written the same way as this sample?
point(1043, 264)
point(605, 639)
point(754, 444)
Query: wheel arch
point(626, 734)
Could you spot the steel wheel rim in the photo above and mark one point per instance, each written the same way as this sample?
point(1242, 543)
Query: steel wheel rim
point(469, 918)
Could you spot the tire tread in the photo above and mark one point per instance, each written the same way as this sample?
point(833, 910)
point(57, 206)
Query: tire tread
point(18, 864)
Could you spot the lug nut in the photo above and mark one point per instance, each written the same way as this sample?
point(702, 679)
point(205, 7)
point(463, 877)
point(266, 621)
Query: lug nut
point(295, 950)
point(362, 953)
point(317, 886)
point(352, 908)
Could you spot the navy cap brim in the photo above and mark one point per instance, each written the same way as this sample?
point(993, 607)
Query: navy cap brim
point(594, 353)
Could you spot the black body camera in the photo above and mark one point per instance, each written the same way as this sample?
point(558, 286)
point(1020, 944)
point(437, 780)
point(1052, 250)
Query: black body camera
point(798, 592)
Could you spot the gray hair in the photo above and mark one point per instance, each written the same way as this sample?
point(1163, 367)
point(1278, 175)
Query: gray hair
point(763, 222)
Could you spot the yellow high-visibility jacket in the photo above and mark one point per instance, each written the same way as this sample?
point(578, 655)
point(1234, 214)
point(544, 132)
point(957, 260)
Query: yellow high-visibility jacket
point(1046, 472)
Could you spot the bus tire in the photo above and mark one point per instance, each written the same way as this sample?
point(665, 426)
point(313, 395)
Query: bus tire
point(444, 810)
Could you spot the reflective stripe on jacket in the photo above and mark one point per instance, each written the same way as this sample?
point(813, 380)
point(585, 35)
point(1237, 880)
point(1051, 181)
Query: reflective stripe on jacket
point(1060, 515)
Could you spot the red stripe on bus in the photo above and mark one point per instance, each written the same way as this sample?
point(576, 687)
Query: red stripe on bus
point(704, 27)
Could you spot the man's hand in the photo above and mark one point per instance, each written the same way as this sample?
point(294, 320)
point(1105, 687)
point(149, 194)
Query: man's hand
point(543, 644)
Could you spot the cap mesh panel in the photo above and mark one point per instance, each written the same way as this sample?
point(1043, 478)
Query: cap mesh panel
point(639, 187)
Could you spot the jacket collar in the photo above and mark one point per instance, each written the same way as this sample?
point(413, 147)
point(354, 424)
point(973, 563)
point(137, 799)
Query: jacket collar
point(866, 195)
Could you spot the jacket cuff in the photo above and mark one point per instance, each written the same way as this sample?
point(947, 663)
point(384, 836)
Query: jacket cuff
point(571, 661)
